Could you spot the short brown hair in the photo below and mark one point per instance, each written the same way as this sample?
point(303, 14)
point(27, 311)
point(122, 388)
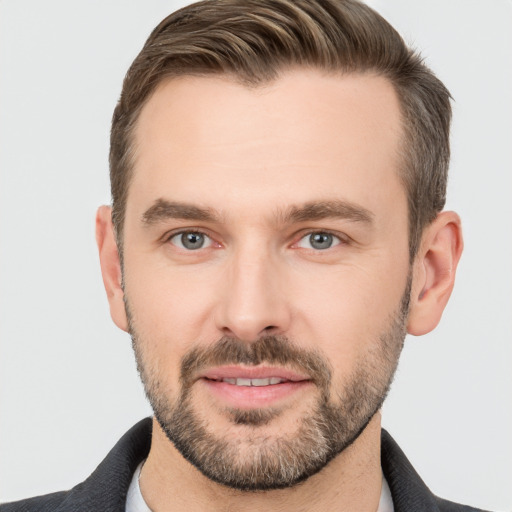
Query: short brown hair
point(252, 41)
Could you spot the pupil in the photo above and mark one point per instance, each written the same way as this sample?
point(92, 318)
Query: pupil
point(321, 240)
point(192, 240)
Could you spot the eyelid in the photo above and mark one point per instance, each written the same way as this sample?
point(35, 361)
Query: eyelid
point(178, 231)
point(169, 235)
point(341, 237)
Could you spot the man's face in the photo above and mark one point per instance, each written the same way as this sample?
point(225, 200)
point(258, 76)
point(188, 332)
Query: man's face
point(266, 271)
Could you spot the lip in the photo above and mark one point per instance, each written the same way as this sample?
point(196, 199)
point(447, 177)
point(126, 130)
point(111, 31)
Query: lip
point(252, 397)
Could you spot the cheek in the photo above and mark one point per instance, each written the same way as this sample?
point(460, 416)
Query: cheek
point(348, 310)
point(169, 305)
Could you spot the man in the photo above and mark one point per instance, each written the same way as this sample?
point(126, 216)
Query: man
point(278, 176)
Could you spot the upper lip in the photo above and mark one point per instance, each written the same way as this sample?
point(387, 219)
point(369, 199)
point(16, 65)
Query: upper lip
point(253, 372)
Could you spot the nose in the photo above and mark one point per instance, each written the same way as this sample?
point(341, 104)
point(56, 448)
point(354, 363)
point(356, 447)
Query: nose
point(252, 297)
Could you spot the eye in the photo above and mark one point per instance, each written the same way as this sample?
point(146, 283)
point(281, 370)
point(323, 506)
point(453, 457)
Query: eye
point(191, 240)
point(319, 241)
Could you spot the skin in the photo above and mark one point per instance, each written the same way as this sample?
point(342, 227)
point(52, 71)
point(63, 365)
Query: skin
point(250, 155)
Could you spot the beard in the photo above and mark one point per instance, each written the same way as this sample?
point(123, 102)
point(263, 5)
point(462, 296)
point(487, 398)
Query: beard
point(251, 460)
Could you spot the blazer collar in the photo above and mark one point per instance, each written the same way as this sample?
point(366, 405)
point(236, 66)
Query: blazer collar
point(408, 490)
point(107, 486)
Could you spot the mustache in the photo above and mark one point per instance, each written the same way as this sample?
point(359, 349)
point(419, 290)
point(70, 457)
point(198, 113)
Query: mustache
point(273, 350)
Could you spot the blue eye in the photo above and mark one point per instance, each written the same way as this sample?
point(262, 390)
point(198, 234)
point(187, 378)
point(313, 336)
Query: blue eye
point(318, 241)
point(191, 240)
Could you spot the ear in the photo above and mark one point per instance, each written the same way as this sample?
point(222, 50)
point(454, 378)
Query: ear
point(434, 272)
point(110, 266)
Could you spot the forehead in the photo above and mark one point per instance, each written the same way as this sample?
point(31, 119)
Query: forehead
point(303, 136)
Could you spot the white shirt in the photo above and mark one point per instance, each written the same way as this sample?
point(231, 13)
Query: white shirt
point(135, 501)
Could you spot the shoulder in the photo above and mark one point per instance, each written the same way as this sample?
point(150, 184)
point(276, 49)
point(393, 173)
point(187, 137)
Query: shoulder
point(46, 503)
point(105, 489)
point(450, 506)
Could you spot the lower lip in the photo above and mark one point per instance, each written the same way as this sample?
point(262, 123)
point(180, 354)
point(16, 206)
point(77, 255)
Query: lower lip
point(251, 397)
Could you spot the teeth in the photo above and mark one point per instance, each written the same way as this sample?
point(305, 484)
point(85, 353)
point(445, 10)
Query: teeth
point(260, 382)
point(254, 382)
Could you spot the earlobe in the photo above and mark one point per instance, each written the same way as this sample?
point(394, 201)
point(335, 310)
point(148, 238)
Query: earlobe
point(434, 272)
point(110, 266)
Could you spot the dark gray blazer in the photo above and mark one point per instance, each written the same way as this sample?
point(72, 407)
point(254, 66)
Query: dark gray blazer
point(105, 490)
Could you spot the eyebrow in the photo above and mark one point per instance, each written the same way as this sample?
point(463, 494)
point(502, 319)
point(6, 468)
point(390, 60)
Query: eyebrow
point(330, 209)
point(163, 209)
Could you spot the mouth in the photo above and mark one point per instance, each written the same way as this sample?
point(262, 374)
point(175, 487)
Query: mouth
point(241, 381)
point(253, 387)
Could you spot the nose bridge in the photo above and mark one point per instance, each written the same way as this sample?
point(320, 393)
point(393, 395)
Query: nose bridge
point(253, 300)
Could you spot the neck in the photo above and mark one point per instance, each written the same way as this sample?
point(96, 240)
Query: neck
point(351, 481)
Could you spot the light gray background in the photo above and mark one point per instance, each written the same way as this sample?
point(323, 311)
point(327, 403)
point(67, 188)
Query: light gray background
point(68, 385)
